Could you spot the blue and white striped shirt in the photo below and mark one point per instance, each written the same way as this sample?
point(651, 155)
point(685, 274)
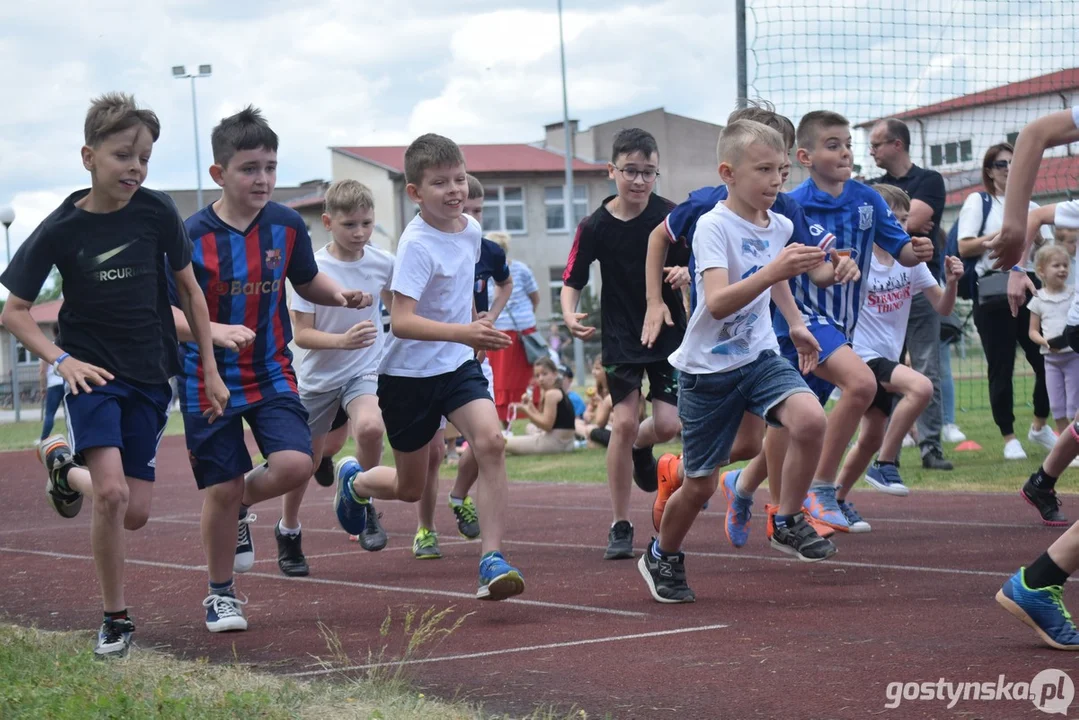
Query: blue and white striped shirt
point(518, 313)
point(858, 218)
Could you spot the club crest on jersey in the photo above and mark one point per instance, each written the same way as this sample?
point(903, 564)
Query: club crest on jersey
point(273, 258)
point(865, 217)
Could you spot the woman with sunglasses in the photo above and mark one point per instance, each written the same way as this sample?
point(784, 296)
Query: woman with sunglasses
point(999, 330)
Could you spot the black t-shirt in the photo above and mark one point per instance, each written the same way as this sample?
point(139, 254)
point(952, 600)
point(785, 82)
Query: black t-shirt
point(116, 311)
point(621, 248)
point(927, 186)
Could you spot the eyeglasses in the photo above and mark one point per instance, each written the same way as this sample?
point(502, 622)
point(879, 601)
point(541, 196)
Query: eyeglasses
point(1001, 164)
point(875, 145)
point(632, 174)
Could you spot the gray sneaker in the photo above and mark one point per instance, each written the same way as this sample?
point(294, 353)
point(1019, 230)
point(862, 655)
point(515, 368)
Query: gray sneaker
point(801, 541)
point(373, 537)
point(620, 542)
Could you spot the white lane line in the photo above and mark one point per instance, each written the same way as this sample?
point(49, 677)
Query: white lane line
point(786, 559)
point(508, 651)
point(344, 583)
point(358, 551)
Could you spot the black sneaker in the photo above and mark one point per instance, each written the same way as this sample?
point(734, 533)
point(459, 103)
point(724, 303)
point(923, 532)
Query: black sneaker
point(114, 639)
point(665, 576)
point(620, 542)
point(1045, 502)
point(934, 460)
point(244, 559)
point(600, 436)
point(324, 472)
point(801, 540)
point(644, 469)
point(290, 553)
point(373, 537)
point(56, 456)
point(468, 520)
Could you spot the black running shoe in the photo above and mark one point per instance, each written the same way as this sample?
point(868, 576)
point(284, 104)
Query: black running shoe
point(56, 456)
point(644, 469)
point(1045, 502)
point(324, 472)
point(600, 436)
point(373, 537)
point(665, 576)
point(468, 520)
point(290, 558)
point(114, 639)
point(620, 542)
point(801, 540)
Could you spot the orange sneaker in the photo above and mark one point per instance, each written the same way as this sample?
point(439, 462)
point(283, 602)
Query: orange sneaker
point(825, 531)
point(667, 472)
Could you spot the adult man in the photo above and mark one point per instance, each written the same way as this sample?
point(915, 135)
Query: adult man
point(889, 144)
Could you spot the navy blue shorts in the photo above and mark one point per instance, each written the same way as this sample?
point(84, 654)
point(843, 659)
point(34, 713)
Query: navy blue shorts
point(412, 408)
point(830, 339)
point(218, 451)
point(121, 414)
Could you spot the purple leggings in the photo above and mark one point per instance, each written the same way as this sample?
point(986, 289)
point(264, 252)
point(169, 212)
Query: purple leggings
point(1062, 383)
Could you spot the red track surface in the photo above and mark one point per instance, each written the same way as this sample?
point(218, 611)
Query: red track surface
point(767, 637)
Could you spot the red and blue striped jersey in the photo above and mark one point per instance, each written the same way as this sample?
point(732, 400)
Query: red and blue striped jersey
point(242, 276)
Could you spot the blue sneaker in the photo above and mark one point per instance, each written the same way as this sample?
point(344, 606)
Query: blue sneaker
point(738, 514)
point(886, 478)
point(351, 513)
point(114, 638)
point(1042, 610)
point(820, 502)
point(498, 579)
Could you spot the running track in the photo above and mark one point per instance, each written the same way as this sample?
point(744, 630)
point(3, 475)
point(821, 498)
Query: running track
point(767, 637)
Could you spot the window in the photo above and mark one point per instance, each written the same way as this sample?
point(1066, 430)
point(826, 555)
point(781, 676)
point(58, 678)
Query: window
point(554, 200)
point(1012, 137)
point(951, 153)
point(966, 152)
point(936, 155)
point(555, 285)
point(504, 209)
point(25, 356)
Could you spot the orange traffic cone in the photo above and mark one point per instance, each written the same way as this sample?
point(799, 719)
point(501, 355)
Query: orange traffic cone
point(967, 446)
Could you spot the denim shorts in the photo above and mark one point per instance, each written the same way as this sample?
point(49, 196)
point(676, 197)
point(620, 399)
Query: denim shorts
point(711, 407)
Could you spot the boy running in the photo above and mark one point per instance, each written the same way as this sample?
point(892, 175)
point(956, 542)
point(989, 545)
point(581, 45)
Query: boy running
point(428, 370)
point(729, 360)
point(245, 248)
point(902, 392)
point(340, 368)
point(617, 236)
point(116, 348)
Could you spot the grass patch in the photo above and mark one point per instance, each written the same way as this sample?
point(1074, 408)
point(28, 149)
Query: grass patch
point(46, 675)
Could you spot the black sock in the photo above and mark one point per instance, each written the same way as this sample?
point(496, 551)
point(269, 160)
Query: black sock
point(1042, 480)
point(119, 615)
point(1043, 572)
point(879, 463)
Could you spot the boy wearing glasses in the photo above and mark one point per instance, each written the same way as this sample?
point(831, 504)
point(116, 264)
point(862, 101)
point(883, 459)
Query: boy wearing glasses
point(616, 235)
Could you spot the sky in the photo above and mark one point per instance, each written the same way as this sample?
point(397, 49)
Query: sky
point(369, 72)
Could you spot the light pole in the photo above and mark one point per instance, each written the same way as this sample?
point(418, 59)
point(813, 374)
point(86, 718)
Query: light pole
point(578, 344)
point(7, 216)
point(180, 72)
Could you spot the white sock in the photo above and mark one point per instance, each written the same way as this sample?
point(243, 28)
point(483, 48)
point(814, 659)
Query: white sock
point(288, 531)
point(820, 483)
point(455, 502)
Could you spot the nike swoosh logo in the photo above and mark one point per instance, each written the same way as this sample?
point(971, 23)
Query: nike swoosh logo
point(109, 254)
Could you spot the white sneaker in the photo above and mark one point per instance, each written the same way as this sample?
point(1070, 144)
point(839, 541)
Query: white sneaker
point(908, 441)
point(1044, 437)
point(1013, 450)
point(951, 433)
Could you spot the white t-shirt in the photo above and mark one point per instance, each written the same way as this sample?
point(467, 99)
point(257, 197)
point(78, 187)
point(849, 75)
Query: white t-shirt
point(725, 240)
point(437, 270)
point(1053, 310)
point(1067, 216)
point(970, 219)
point(327, 370)
point(882, 324)
point(52, 378)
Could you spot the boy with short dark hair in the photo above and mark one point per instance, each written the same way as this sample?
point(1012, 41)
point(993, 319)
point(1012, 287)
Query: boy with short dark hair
point(616, 235)
point(246, 246)
point(428, 370)
point(116, 350)
point(343, 346)
point(729, 362)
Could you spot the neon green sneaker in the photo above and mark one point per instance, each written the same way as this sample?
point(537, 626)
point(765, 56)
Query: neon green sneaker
point(468, 520)
point(425, 546)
